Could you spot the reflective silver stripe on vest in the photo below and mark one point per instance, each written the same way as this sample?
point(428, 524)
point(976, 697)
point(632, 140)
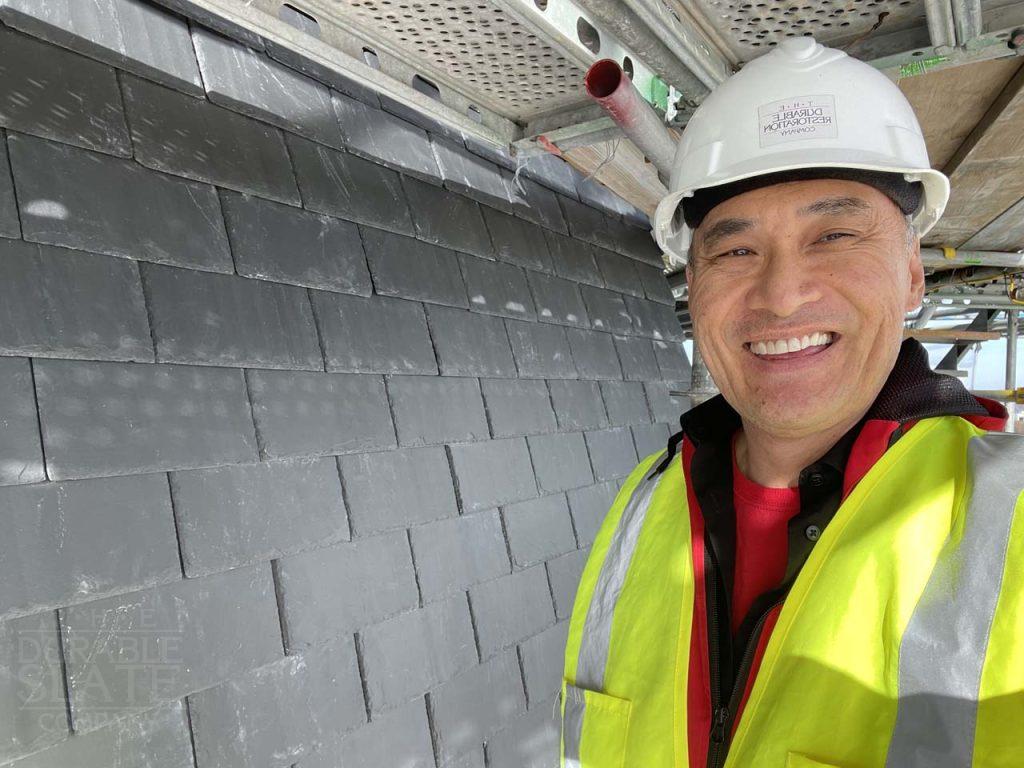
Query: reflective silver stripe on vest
point(572, 725)
point(943, 649)
point(597, 627)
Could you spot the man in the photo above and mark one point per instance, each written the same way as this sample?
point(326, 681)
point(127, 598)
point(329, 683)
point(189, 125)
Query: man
point(826, 566)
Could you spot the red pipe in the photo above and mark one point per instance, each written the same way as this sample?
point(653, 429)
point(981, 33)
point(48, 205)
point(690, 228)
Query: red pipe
point(608, 85)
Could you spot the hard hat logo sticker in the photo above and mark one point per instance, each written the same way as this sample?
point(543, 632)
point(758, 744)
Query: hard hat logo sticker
point(806, 117)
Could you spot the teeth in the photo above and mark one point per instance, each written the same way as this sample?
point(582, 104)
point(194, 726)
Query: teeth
point(782, 346)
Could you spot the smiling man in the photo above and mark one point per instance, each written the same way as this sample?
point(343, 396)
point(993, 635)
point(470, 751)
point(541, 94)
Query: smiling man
point(825, 567)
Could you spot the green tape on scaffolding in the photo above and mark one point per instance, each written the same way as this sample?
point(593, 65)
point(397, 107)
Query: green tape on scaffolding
point(659, 94)
point(920, 66)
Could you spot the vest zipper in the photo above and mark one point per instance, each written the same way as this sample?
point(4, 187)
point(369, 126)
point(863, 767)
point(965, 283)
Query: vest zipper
point(744, 671)
point(724, 714)
point(720, 713)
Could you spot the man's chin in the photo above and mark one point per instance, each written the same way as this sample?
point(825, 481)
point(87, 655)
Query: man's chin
point(792, 415)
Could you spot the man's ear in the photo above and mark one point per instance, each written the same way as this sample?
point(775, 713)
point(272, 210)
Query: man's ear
point(915, 291)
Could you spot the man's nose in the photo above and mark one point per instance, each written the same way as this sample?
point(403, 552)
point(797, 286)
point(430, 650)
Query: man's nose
point(785, 283)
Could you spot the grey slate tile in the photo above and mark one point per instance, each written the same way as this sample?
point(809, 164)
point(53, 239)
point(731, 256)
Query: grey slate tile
point(376, 334)
point(560, 461)
point(437, 409)
point(643, 316)
point(636, 242)
point(518, 406)
point(636, 354)
point(625, 402)
point(529, 741)
point(650, 438)
point(498, 154)
point(607, 310)
point(90, 202)
point(516, 241)
point(157, 417)
point(408, 655)
point(653, 320)
point(447, 219)
point(477, 703)
point(474, 758)
point(56, 549)
point(211, 630)
point(245, 513)
point(412, 269)
point(511, 608)
point(251, 83)
point(551, 171)
point(189, 137)
point(665, 408)
point(543, 658)
point(334, 591)
point(341, 184)
point(534, 202)
point(456, 553)
point(276, 242)
point(578, 404)
point(589, 506)
point(383, 138)
point(558, 301)
point(318, 71)
point(564, 575)
point(57, 303)
point(573, 259)
point(655, 283)
point(31, 685)
point(539, 529)
point(396, 489)
point(672, 360)
point(594, 354)
point(226, 320)
point(541, 351)
point(278, 713)
point(399, 737)
point(586, 223)
point(618, 272)
point(597, 195)
point(497, 289)
point(10, 225)
point(470, 344)
point(21, 453)
point(470, 175)
point(612, 453)
point(129, 34)
point(399, 107)
point(159, 737)
point(300, 413)
point(56, 94)
point(199, 13)
point(492, 473)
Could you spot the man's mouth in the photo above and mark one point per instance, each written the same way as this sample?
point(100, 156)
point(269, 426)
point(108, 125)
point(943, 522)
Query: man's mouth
point(808, 344)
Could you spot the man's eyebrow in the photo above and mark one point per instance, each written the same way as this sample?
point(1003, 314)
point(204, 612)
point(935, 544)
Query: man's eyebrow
point(724, 228)
point(835, 206)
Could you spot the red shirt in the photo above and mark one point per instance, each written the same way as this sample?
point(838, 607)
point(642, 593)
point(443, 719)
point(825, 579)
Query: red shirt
point(762, 517)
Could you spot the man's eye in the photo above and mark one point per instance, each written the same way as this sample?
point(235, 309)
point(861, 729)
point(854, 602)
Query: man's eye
point(735, 252)
point(831, 237)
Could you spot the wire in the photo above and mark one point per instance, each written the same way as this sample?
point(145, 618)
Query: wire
point(611, 156)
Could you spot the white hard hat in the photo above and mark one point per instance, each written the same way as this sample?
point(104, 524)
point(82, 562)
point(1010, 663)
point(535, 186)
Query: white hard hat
point(800, 106)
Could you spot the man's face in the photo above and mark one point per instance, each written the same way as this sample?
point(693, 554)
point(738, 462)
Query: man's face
point(827, 263)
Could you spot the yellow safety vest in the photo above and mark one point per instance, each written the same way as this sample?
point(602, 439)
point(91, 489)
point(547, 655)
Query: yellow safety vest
point(900, 644)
